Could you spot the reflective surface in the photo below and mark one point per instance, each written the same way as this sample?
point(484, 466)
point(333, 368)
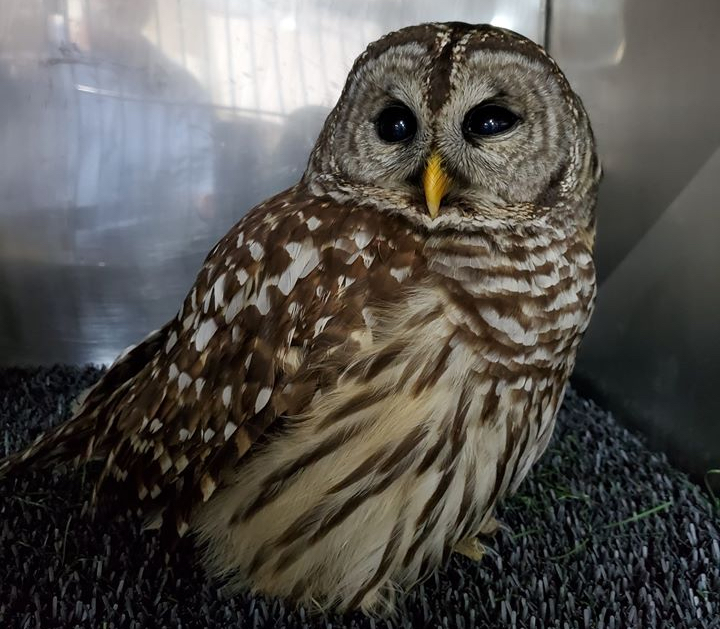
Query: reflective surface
point(648, 73)
point(134, 133)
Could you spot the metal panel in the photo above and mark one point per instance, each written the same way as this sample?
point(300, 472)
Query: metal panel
point(648, 73)
point(133, 133)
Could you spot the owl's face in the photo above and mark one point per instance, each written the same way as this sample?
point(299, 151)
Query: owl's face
point(452, 123)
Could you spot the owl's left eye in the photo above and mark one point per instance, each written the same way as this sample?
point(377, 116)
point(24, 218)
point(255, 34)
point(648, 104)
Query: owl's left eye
point(488, 119)
point(396, 123)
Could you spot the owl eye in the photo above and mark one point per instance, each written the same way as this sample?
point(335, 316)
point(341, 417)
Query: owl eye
point(396, 123)
point(488, 119)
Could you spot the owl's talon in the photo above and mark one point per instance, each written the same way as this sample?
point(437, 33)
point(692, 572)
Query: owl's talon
point(471, 548)
point(491, 527)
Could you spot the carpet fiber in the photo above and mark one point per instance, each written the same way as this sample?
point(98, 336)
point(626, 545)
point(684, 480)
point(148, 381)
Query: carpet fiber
point(604, 534)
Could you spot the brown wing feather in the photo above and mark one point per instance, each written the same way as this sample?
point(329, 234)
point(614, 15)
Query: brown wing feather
point(75, 438)
point(282, 289)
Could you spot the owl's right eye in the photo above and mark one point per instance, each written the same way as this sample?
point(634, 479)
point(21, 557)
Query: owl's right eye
point(396, 123)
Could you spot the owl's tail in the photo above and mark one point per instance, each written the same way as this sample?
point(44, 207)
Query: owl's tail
point(80, 438)
point(60, 444)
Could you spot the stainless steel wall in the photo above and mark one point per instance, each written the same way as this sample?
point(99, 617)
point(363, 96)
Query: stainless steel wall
point(133, 133)
point(648, 73)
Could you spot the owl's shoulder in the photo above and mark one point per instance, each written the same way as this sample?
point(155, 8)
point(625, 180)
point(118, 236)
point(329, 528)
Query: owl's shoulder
point(296, 238)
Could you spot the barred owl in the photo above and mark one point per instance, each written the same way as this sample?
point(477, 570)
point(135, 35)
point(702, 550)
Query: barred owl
point(368, 361)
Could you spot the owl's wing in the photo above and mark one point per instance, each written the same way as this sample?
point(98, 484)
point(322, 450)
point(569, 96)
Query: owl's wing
point(185, 405)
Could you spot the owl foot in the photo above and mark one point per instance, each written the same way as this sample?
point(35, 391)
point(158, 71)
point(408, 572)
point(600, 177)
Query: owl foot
point(471, 548)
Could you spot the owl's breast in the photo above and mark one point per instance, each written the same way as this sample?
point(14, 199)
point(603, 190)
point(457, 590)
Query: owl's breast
point(526, 301)
point(429, 409)
point(520, 309)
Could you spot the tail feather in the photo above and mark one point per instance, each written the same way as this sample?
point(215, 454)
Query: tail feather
point(75, 440)
point(61, 444)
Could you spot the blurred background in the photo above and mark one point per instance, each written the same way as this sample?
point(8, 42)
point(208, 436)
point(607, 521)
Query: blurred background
point(134, 133)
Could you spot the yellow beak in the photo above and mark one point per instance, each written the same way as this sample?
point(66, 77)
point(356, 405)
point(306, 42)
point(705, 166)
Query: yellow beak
point(436, 183)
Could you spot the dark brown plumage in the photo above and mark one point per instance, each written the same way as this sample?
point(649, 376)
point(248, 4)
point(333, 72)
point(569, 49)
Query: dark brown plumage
point(355, 379)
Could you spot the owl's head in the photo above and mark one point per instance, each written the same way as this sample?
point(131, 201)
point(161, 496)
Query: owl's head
point(455, 125)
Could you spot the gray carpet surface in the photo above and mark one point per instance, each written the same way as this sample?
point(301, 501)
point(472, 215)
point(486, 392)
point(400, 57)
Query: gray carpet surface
point(603, 534)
